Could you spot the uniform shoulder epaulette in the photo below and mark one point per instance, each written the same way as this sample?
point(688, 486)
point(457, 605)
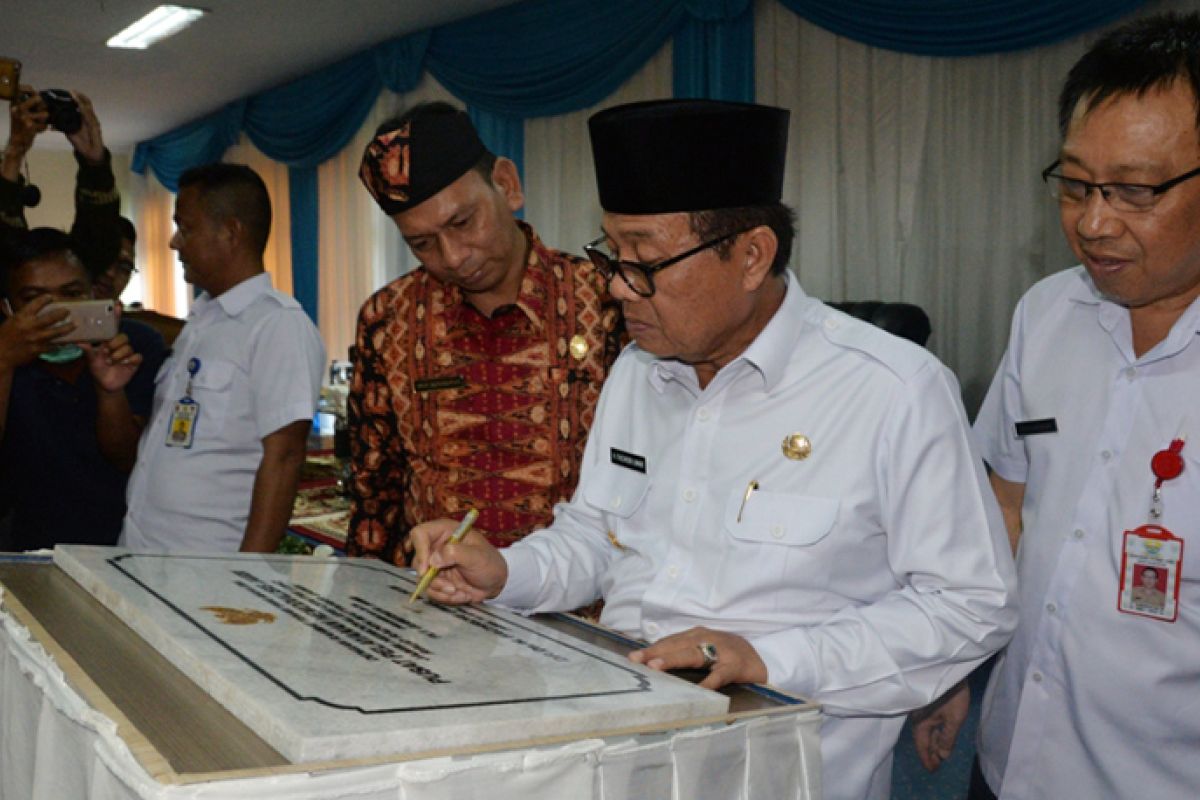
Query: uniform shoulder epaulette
point(900, 356)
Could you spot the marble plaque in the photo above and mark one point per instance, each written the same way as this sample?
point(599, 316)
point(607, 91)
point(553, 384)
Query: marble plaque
point(325, 658)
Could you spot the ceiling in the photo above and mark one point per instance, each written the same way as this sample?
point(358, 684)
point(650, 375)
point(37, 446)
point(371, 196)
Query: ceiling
point(242, 47)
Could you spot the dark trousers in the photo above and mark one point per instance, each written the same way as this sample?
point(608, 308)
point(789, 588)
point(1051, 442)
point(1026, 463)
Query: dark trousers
point(979, 789)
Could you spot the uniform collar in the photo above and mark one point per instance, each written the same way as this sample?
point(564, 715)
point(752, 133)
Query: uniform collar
point(1084, 290)
point(769, 353)
point(1114, 318)
point(237, 299)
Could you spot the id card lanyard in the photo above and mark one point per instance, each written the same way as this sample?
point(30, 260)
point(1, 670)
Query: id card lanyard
point(1151, 555)
point(182, 430)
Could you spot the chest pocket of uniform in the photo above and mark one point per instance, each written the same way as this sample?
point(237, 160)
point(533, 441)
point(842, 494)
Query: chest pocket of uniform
point(779, 518)
point(211, 388)
point(780, 534)
point(616, 492)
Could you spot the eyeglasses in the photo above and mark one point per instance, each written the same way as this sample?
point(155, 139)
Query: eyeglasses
point(126, 266)
point(1121, 196)
point(637, 276)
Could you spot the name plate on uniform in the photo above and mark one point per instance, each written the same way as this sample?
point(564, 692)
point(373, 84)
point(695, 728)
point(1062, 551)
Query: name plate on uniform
point(325, 659)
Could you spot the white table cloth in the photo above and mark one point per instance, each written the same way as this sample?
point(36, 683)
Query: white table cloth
point(55, 746)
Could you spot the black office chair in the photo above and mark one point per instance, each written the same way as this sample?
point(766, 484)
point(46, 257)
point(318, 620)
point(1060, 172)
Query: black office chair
point(900, 319)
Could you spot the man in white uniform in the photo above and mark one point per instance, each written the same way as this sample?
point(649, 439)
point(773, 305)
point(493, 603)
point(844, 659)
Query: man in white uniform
point(1094, 404)
point(218, 463)
point(772, 490)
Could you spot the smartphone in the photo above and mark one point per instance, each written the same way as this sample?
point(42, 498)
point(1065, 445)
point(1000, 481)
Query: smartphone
point(95, 320)
point(10, 78)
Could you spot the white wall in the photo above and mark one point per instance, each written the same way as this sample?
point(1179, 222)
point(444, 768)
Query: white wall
point(53, 171)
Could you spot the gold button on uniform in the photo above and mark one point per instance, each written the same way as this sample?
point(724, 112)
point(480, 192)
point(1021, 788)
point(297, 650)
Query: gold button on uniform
point(796, 446)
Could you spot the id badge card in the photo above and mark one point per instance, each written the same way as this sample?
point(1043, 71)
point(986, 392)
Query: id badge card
point(182, 430)
point(1151, 557)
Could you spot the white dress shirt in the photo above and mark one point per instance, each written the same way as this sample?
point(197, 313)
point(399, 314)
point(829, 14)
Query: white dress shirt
point(1088, 701)
point(871, 575)
point(261, 361)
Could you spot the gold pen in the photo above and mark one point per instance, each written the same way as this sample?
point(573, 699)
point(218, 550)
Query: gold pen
point(746, 498)
point(455, 538)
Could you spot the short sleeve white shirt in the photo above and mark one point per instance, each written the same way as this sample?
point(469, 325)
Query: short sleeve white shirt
point(260, 364)
point(1087, 701)
point(871, 575)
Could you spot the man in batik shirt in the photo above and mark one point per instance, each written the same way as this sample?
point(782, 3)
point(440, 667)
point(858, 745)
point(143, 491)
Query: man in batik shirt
point(476, 376)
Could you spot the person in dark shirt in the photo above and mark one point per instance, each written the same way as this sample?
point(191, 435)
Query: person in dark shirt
point(68, 438)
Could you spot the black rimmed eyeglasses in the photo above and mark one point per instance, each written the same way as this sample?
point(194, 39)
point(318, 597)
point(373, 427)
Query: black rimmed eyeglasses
point(1121, 196)
point(637, 276)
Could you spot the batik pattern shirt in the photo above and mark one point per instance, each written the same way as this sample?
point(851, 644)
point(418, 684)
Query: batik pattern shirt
point(450, 409)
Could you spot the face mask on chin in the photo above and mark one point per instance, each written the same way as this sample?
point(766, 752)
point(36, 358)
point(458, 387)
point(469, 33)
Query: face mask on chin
point(62, 355)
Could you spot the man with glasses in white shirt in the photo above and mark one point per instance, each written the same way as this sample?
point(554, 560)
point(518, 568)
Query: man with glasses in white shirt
point(1092, 430)
point(772, 490)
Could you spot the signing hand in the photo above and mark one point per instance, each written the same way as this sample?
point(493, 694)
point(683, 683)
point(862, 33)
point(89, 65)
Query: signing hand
point(935, 727)
point(737, 660)
point(470, 571)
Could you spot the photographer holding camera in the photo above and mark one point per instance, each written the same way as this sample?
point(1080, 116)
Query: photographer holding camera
point(95, 232)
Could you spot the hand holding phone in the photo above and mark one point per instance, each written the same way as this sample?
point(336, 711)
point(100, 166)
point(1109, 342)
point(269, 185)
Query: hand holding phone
point(94, 320)
point(29, 332)
point(112, 363)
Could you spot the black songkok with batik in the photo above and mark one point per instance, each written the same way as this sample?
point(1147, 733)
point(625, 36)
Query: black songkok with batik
point(664, 156)
point(417, 155)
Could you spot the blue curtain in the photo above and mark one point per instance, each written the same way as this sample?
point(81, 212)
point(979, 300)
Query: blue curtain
point(199, 142)
point(501, 134)
point(302, 196)
point(548, 57)
point(713, 56)
point(959, 27)
point(309, 120)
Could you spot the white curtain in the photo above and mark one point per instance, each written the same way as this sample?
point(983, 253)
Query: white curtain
point(916, 178)
point(163, 289)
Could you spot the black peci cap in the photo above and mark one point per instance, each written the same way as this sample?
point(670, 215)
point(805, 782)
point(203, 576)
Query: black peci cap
point(663, 156)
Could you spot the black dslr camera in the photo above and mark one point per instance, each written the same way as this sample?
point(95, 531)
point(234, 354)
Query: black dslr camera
point(63, 110)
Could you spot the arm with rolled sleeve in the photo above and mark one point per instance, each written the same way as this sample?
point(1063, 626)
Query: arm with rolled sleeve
point(286, 367)
point(953, 604)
